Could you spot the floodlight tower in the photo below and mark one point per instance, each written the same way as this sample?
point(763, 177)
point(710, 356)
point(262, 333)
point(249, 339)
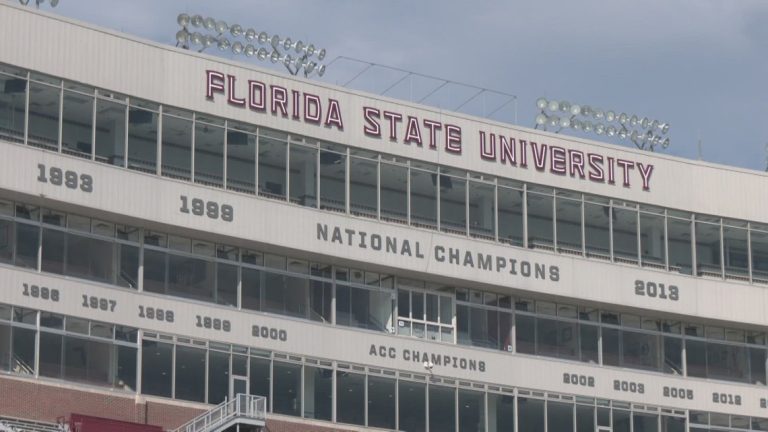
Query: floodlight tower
point(203, 33)
point(646, 134)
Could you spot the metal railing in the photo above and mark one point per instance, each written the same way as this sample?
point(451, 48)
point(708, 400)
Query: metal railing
point(19, 425)
point(248, 408)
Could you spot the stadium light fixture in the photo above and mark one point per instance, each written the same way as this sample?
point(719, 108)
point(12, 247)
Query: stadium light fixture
point(204, 32)
point(645, 133)
point(53, 3)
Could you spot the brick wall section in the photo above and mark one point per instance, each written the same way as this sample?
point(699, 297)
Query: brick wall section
point(31, 400)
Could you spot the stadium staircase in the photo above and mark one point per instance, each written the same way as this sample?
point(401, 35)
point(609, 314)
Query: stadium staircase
point(244, 413)
point(18, 425)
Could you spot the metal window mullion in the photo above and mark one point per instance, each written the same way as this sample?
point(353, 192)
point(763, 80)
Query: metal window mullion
point(583, 226)
point(173, 370)
point(438, 200)
point(139, 359)
point(525, 214)
point(288, 169)
point(466, 205)
point(378, 187)
point(37, 345)
point(408, 195)
point(426, 403)
point(495, 210)
point(397, 403)
point(334, 393)
point(318, 177)
point(639, 238)
point(749, 250)
point(347, 181)
point(225, 161)
point(93, 126)
point(365, 399)
point(722, 249)
point(61, 115)
point(256, 162)
point(666, 239)
point(193, 147)
point(610, 229)
point(159, 143)
point(26, 109)
point(125, 135)
point(694, 257)
point(554, 220)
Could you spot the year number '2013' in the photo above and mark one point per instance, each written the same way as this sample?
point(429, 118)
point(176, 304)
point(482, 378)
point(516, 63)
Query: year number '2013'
point(654, 290)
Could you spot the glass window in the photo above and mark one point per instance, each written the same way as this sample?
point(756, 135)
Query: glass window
point(624, 234)
point(126, 368)
point(285, 295)
point(471, 411)
point(442, 408)
point(320, 296)
point(530, 415)
point(50, 354)
point(190, 373)
point(673, 355)
point(611, 347)
point(27, 244)
point(363, 185)
point(589, 343)
point(190, 277)
point(540, 230)
point(708, 249)
point(412, 406)
point(110, 132)
point(226, 284)
point(381, 402)
point(259, 379)
point(90, 258)
point(735, 251)
point(13, 91)
point(641, 350)
point(286, 397)
point(77, 127)
point(394, 198)
point(642, 422)
point(241, 160)
point(156, 368)
point(482, 210)
point(585, 418)
point(5, 347)
point(23, 351)
point(728, 362)
point(209, 154)
point(424, 196)
point(128, 258)
point(88, 361)
point(453, 204)
point(155, 264)
point(142, 139)
point(652, 243)
point(303, 175)
point(501, 413)
point(7, 236)
point(759, 243)
point(218, 376)
point(680, 249)
point(510, 215)
point(757, 359)
point(525, 332)
point(621, 421)
point(272, 168)
point(177, 147)
point(556, 338)
point(54, 247)
point(559, 417)
point(333, 178)
point(251, 289)
point(569, 223)
point(350, 393)
point(44, 103)
point(318, 391)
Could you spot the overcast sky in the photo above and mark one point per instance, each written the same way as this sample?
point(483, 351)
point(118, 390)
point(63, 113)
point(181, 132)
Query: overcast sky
point(701, 65)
